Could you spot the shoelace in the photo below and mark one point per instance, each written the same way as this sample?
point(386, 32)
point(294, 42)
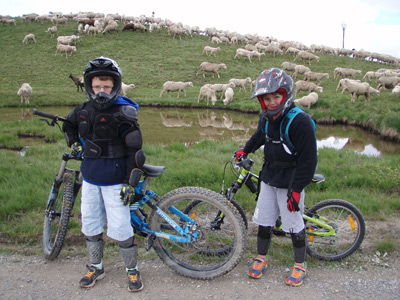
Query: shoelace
point(89, 274)
point(133, 277)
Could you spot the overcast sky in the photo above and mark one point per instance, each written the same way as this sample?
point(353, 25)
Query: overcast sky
point(369, 24)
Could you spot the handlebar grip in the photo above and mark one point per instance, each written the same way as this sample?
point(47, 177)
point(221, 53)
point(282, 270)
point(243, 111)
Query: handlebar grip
point(47, 115)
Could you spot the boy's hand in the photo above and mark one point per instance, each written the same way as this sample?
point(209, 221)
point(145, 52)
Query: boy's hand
point(293, 202)
point(77, 149)
point(127, 194)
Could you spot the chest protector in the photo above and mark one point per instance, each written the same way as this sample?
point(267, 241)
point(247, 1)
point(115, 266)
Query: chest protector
point(100, 130)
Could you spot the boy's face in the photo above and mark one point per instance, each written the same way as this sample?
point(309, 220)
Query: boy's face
point(273, 100)
point(102, 85)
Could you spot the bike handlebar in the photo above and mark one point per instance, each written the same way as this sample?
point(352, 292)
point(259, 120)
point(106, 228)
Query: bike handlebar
point(48, 116)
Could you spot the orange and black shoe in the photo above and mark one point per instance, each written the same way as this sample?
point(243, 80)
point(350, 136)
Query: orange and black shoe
point(258, 267)
point(134, 280)
point(298, 275)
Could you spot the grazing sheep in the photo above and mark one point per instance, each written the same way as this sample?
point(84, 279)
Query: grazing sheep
point(176, 29)
point(211, 68)
point(175, 86)
point(300, 69)
point(308, 86)
point(111, 27)
point(209, 93)
point(387, 82)
point(216, 40)
point(211, 50)
point(292, 50)
point(288, 67)
point(25, 91)
point(371, 74)
point(240, 83)
point(273, 49)
point(373, 91)
point(258, 54)
point(67, 39)
point(396, 89)
point(228, 96)
point(304, 55)
point(29, 38)
point(346, 73)
point(65, 48)
point(357, 88)
point(342, 84)
point(78, 82)
point(307, 100)
point(314, 76)
point(125, 88)
point(52, 30)
point(220, 87)
point(244, 53)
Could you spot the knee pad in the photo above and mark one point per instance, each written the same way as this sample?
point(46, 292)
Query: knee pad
point(264, 232)
point(299, 239)
point(95, 238)
point(127, 243)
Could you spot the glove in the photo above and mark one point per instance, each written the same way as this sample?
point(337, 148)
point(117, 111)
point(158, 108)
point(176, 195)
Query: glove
point(77, 149)
point(293, 201)
point(239, 153)
point(127, 194)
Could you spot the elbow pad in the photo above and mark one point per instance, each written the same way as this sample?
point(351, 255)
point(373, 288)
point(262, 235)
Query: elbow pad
point(133, 139)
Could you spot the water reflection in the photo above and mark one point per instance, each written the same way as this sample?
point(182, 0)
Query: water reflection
point(167, 125)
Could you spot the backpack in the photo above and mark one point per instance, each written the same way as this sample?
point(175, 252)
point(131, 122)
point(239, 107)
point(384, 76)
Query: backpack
point(284, 132)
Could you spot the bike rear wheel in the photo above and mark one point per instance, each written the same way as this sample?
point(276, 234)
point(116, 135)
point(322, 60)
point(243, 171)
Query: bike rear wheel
point(348, 224)
point(57, 217)
point(201, 258)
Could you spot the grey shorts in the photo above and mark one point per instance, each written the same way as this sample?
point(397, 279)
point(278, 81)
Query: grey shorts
point(271, 203)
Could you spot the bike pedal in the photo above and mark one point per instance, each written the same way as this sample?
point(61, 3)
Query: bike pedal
point(148, 242)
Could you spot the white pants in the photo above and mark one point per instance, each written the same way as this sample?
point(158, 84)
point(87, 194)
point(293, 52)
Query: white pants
point(101, 205)
point(271, 203)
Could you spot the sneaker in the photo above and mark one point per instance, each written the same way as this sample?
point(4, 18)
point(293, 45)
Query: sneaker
point(91, 276)
point(258, 267)
point(134, 281)
point(298, 275)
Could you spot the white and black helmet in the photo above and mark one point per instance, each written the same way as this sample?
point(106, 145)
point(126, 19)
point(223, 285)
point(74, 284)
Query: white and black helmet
point(271, 81)
point(102, 66)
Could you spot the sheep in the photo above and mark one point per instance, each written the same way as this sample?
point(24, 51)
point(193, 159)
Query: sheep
point(208, 93)
point(211, 68)
point(67, 39)
point(358, 88)
point(111, 26)
point(304, 55)
point(346, 73)
point(240, 83)
point(93, 30)
point(273, 49)
point(228, 96)
point(125, 88)
point(292, 50)
point(245, 53)
point(174, 30)
point(78, 82)
point(53, 30)
point(314, 76)
point(65, 48)
point(211, 50)
point(216, 40)
point(396, 89)
point(258, 54)
point(28, 38)
point(371, 74)
point(287, 66)
point(175, 86)
point(307, 100)
point(129, 26)
point(25, 91)
point(387, 82)
point(220, 87)
point(342, 83)
point(302, 85)
point(373, 91)
point(300, 69)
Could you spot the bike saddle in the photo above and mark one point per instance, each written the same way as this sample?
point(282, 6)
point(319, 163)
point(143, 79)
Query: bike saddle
point(318, 178)
point(152, 171)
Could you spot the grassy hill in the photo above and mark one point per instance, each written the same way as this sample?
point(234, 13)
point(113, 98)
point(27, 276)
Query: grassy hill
point(150, 59)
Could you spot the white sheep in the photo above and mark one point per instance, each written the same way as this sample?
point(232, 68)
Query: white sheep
point(273, 49)
point(292, 50)
point(176, 29)
point(25, 91)
point(65, 48)
point(357, 88)
point(216, 40)
point(373, 91)
point(309, 86)
point(244, 53)
point(305, 55)
point(307, 100)
point(125, 88)
point(315, 76)
point(300, 69)
point(372, 74)
point(67, 39)
point(346, 73)
point(342, 83)
point(396, 89)
point(208, 93)
point(111, 26)
point(241, 83)
point(221, 87)
point(288, 67)
point(53, 30)
point(29, 38)
point(210, 68)
point(388, 82)
point(211, 50)
point(175, 86)
point(228, 96)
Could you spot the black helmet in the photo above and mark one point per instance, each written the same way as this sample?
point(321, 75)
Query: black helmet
point(98, 67)
point(270, 81)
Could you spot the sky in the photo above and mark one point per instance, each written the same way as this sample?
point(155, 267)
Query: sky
point(368, 24)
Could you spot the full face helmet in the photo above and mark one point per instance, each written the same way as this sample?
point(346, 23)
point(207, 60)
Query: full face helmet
point(102, 66)
point(271, 81)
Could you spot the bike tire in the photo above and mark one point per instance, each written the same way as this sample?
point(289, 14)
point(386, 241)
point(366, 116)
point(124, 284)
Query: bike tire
point(348, 223)
point(194, 260)
point(56, 222)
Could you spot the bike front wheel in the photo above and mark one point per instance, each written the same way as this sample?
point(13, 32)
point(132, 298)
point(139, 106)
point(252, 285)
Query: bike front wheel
point(202, 258)
point(57, 217)
point(348, 231)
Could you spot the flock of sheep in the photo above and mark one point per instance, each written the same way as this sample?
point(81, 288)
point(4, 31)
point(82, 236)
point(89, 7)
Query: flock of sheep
point(253, 46)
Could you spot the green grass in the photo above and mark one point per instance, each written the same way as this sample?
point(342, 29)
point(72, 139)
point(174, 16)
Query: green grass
point(148, 60)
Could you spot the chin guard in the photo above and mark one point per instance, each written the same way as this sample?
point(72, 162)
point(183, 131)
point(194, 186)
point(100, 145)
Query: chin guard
point(134, 178)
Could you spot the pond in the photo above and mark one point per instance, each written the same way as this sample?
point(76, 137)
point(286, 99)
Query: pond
point(187, 126)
